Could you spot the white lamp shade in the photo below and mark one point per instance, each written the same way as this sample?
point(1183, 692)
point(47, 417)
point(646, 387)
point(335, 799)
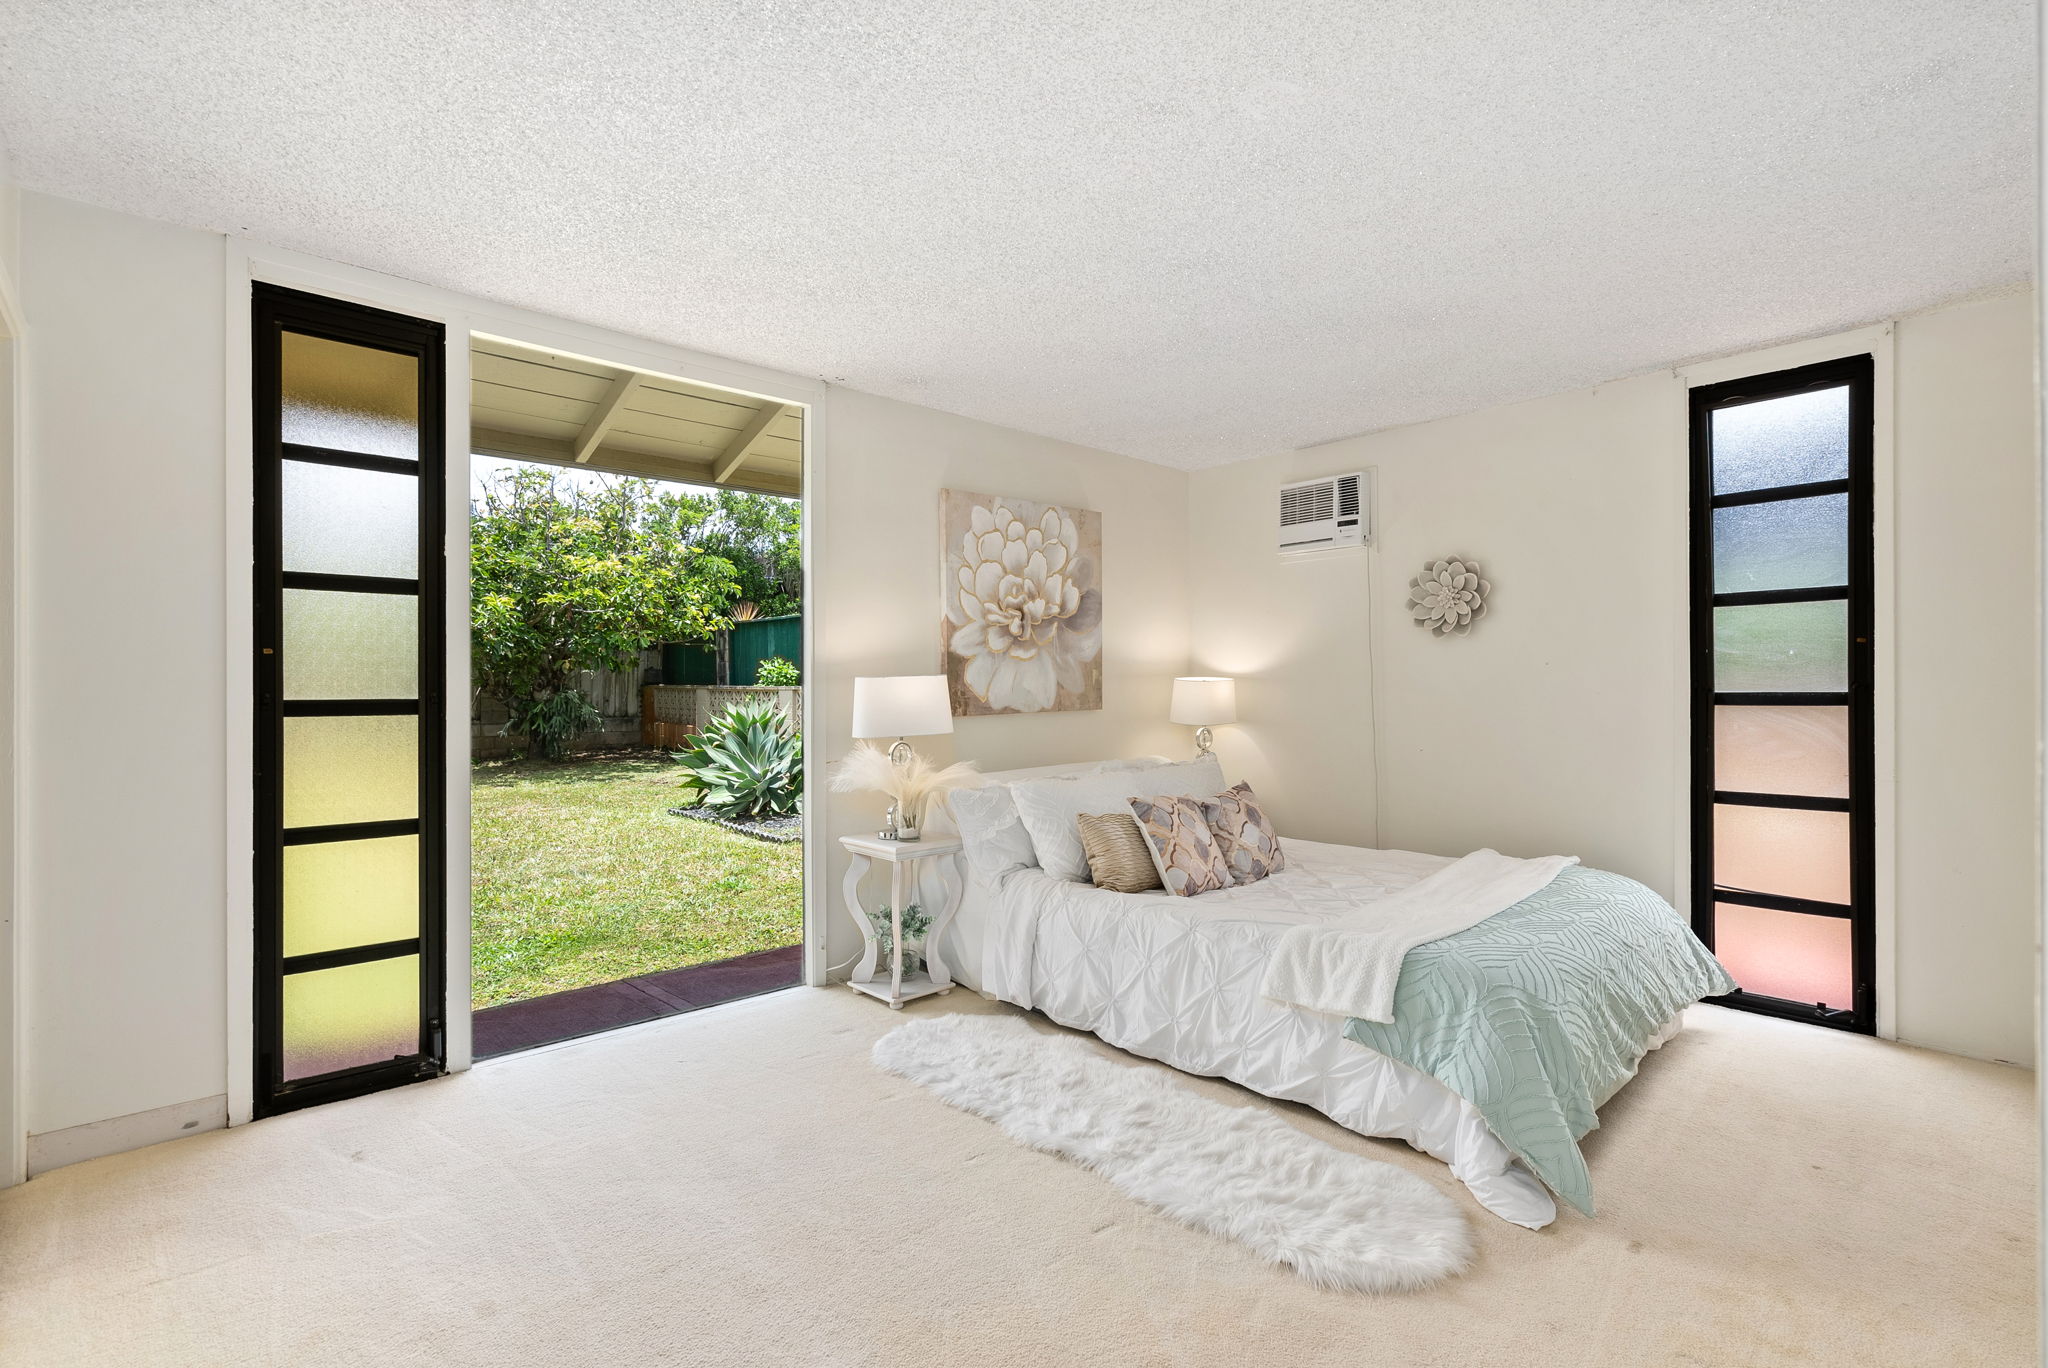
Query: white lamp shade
point(1204, 702)
point(901, 705)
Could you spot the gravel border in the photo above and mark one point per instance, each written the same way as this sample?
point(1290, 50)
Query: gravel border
point(779, 830)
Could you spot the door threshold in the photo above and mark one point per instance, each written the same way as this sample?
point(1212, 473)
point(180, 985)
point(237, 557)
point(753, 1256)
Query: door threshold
point(552, 1018)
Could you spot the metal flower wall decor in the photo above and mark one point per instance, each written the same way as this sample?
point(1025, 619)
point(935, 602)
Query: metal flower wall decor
point(1448, 596)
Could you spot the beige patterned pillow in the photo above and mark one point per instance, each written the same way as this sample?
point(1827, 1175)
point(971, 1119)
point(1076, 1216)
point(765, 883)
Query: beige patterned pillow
point(1183, 847)
point(1245, 834)
point(1118, 858)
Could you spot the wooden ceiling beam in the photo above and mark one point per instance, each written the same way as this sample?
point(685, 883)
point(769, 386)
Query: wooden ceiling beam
point(519, 446)
point(607, 413)
point(743, 441)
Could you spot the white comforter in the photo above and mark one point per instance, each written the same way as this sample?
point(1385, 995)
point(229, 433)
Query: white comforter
point(1178, 980)
point(1350, 965)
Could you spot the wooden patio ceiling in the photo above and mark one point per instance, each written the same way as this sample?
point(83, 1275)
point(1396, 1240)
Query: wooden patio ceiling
point(529, 404)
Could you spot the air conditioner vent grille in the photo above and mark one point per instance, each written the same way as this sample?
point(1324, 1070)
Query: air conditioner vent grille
point(1307, 503)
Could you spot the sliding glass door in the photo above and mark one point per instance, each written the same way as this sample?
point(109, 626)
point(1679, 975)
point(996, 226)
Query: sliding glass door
point(348, 658)
point(1782, 543)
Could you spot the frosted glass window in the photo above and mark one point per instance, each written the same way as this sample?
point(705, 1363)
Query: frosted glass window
point(339, 894)
point(350, 769)
point(350, 398)
point(1782, 648)
point(1792, 852)
point(1788, 955)
point(1782, 750)
point(339, 521)
point(1794, 440)
point(357, 1014)
point(1788, 544)
point(339, 645)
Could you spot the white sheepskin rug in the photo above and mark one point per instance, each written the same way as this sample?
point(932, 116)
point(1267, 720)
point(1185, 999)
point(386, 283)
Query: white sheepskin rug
point(1337, 1219)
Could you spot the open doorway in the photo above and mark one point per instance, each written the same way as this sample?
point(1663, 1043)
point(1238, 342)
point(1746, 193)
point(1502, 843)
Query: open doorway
point(636, 654)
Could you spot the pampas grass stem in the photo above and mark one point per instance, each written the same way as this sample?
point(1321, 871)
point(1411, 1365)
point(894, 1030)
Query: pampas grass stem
point(867, 768)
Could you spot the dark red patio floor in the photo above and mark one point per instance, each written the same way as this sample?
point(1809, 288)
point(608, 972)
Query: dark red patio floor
point(606, 1006)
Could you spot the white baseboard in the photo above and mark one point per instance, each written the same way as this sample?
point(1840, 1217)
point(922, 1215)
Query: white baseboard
point(94, 1139)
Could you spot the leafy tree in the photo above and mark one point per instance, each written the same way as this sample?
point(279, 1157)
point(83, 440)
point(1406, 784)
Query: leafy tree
point(759, 534)
point(567, 576)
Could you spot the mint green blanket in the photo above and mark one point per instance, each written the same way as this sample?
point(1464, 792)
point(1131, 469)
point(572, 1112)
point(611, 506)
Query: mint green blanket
point(1540, 1012)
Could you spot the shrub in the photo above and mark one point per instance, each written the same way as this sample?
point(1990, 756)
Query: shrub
point(749, 762)
point(553, 722)
point(778, 672)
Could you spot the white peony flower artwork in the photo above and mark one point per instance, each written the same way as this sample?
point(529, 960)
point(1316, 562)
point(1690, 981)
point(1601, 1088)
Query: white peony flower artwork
point(1023, 605)
point(1448, 596)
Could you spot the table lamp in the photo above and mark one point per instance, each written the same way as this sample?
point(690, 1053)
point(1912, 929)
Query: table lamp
point(900, 706)
point(1202, 702)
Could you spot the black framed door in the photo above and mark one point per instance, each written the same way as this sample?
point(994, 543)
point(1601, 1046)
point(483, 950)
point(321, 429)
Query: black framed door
point(1783, 827)
point(349, 688)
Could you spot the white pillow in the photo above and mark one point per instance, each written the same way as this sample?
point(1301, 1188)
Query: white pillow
point(1048, 807)
point(991, 837)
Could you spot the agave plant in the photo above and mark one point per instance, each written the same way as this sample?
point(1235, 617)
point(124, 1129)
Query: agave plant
point(748, 762)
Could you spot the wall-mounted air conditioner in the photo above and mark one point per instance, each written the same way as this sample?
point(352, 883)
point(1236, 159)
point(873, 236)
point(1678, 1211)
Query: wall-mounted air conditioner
point(1325, 514)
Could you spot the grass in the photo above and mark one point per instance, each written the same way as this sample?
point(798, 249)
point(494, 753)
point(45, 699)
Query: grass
point(580, 876)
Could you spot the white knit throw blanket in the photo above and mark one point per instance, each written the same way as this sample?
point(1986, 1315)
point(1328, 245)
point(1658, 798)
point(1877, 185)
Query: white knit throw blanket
point(1349, 966)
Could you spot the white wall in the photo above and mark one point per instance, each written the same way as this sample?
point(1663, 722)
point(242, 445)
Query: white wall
point(1967, 677)
point(122, 653)
point(877, 597)
point(1559, 725)
point(126, 636)
point(13, 1128)
point(1549, 727)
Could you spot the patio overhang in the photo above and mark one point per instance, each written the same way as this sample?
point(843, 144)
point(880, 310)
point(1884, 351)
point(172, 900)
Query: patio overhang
point(529, 404)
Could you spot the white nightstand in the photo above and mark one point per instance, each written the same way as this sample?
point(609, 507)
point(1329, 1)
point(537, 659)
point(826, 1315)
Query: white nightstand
point(898, 987)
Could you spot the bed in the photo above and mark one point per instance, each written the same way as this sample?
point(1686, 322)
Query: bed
point(1179, 980)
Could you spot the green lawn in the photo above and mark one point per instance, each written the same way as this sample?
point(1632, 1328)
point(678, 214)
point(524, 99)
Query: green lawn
point(580, 876)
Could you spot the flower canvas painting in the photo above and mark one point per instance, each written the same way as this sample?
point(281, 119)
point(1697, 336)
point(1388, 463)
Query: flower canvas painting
point(1023, 604)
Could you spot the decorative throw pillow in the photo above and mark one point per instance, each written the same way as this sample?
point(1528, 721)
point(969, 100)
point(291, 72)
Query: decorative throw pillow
point(1245, 834)
point(1183, 847)
point(1048, 807)
point(1118, 857)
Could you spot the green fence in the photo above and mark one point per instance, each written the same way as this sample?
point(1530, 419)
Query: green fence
point(752, 643)
point(692, 663)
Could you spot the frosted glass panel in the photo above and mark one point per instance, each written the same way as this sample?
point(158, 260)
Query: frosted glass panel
point(1791, 544)
point(350, 522)
point(1786, 954)
point(350, 769)
point(1782, 750)
point(350, 398)
point(1794, 440)
point(358, 1014)
point(1787, 851)
point(340, 645)
point(1782, 648)
point(343, 893)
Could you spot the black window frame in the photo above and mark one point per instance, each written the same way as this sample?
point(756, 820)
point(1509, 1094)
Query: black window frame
point(274, 311)
point(1857, 373)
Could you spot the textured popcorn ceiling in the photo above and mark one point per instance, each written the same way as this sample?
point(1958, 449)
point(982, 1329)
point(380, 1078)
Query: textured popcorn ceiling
point(1187, 230)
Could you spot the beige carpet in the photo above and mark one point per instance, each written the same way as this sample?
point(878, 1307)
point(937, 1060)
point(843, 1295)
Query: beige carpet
point(740, 1186)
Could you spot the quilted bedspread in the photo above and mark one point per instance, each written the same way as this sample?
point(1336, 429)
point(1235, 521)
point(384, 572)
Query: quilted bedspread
point(1537, 1014)
point(1480, 1068)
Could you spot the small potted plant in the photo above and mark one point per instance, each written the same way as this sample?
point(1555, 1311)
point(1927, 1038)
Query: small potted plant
point(916, 922)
